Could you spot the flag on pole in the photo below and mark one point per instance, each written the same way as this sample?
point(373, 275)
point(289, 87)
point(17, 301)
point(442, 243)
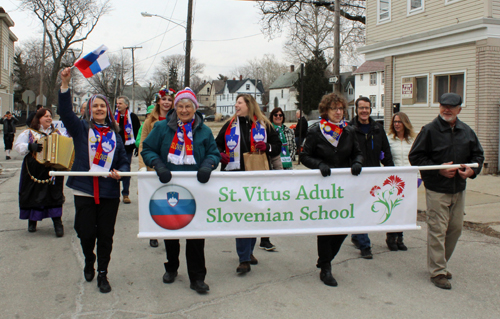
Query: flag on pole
point(94, 62)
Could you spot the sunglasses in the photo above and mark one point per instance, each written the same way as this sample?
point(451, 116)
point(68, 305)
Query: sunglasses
point(278, 115)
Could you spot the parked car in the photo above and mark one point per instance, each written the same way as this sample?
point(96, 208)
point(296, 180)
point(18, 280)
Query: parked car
point(210, 118)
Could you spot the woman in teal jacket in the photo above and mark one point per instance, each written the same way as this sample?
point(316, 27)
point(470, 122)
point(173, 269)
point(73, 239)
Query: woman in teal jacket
point(195, 151)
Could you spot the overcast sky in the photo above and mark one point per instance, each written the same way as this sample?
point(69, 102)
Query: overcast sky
point(215, 23)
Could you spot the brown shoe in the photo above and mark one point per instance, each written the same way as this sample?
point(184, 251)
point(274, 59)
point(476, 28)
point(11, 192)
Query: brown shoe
point(244, 267)
point(126, 200)
point(449, 275)
point(253, 260)
point(441, 281)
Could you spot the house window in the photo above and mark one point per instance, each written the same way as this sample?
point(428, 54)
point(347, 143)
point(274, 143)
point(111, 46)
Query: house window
point(208, 90)
point(383, 11)
point(361, 77)
point(350, 91)
point(414, 90)
point(382, 100)
point(281, 93)
point(415, 6)
point(422, 89)
point(382, 78)
point(373, 99)
point(448, 83)
point(373, 78)
point(248, 87)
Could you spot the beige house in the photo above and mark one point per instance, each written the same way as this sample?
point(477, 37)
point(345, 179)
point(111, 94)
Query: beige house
point(431, 47)
point(7, 39)
point(206, 92)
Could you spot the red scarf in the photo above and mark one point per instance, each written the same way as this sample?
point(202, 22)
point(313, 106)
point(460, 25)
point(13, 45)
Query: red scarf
point(102, 131)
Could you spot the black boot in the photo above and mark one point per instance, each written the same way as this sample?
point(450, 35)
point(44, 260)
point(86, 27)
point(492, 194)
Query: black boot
point(391, 242)
point(326, 276)
point(32, 226)
point(58, 226)
point(103, 283)
point(401, 245)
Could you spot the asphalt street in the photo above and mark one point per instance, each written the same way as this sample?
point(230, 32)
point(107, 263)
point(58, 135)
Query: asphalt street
point(41, 276)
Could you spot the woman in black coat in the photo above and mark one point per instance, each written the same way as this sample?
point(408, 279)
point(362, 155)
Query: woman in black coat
point(331, 144)
point(248, 130)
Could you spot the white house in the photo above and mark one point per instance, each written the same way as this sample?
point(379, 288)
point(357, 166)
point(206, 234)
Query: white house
point(7, 39)
point(370, 83)
point(226, 98)
point(282, 93)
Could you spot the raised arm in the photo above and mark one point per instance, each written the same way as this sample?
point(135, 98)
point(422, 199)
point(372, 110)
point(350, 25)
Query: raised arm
point(65, 109)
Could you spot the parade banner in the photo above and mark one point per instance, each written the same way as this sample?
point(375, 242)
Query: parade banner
point(274, 203)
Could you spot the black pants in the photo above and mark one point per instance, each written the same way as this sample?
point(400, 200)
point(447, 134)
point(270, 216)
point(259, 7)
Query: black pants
point(96, 222)
point(328, 247)
point(8, 140)
point(195, 257)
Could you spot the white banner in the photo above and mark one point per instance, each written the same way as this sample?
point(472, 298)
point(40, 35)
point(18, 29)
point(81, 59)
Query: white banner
point(271, 203)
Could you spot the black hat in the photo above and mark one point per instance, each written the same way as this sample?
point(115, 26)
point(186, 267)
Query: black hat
point(450, 99)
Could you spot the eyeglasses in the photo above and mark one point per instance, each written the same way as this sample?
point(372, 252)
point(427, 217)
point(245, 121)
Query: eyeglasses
point(278, 115)
point(335, 109)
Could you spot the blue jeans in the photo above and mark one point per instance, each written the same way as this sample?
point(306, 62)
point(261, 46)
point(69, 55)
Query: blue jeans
point(126, 180)
point(363, 239)
point(244, 248)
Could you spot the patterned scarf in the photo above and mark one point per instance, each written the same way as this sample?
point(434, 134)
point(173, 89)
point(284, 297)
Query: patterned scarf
point(332, 132)
point(232, 138)
point(181, 149)
point(127, 126)
point(102, 146)
point(286, 160)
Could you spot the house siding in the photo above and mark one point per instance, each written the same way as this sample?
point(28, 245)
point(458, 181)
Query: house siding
point(459, 58)
point(436, 15)
point(495, 8)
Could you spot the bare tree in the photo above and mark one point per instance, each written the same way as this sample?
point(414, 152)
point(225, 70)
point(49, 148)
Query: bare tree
point(266, 69)
point(68, 22)
point(310, 28)
point(148, 94)
point(176, 61)
point(110, 81)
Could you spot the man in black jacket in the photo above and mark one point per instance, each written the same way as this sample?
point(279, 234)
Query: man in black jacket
point(9, 132)
point(446, 140)
point(122, 118)
point(376, 149)
point(31, 116)
point(300, 130)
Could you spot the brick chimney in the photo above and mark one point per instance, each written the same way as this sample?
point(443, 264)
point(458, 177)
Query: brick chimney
point(241, 77)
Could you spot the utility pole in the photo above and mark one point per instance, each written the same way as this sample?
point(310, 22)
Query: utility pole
point(336, 48)
point(43, 62)
point(133, 75)
point(168, 75)
point(187, 66)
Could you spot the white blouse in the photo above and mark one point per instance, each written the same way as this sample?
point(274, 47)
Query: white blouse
point(23, 140)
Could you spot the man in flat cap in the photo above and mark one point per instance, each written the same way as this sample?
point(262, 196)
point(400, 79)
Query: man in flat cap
point(446, 140)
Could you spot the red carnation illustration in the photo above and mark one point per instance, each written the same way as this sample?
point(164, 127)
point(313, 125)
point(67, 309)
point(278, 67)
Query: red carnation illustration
point(394, 187)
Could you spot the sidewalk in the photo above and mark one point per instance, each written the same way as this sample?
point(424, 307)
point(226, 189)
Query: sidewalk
point(41, 276)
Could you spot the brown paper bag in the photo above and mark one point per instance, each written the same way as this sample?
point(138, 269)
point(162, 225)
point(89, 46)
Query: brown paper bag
point(256, 161)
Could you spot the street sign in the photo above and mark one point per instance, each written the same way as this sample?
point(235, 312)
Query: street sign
point(41, 99)
point(28, 96)
point(333, 79)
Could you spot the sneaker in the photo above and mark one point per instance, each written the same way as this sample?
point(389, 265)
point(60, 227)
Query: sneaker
point(441, 281)
point(355, 242)
point(103, 283)
point(266, 245)
point(367, 253)
point(126, 200)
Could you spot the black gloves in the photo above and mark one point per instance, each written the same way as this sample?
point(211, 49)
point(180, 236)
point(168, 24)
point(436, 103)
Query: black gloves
point(161, 170)
point(205, 170)
point(35, 147)
point(356, 169)
point(324, 169)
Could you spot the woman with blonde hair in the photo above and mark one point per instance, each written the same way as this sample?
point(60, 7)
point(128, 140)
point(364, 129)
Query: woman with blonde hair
point(401, 137)
point(164, 103)
point(248, 130)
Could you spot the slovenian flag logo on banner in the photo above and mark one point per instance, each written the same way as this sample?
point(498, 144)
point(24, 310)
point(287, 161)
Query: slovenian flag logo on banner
point(94, 62)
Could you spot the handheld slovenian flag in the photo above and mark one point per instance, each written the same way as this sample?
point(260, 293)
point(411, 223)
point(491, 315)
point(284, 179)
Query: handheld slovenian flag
point(94, 62)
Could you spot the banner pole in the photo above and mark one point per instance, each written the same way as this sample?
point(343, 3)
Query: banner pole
point(106, 174)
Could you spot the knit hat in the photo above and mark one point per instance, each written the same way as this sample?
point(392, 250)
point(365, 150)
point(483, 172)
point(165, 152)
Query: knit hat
point(187, 93)
point(164, 91)
point(150, 109)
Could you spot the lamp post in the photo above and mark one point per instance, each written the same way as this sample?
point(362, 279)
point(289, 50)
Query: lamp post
point(187, 62)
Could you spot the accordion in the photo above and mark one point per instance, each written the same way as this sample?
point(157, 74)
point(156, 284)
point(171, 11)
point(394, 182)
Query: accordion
point(58, 152)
